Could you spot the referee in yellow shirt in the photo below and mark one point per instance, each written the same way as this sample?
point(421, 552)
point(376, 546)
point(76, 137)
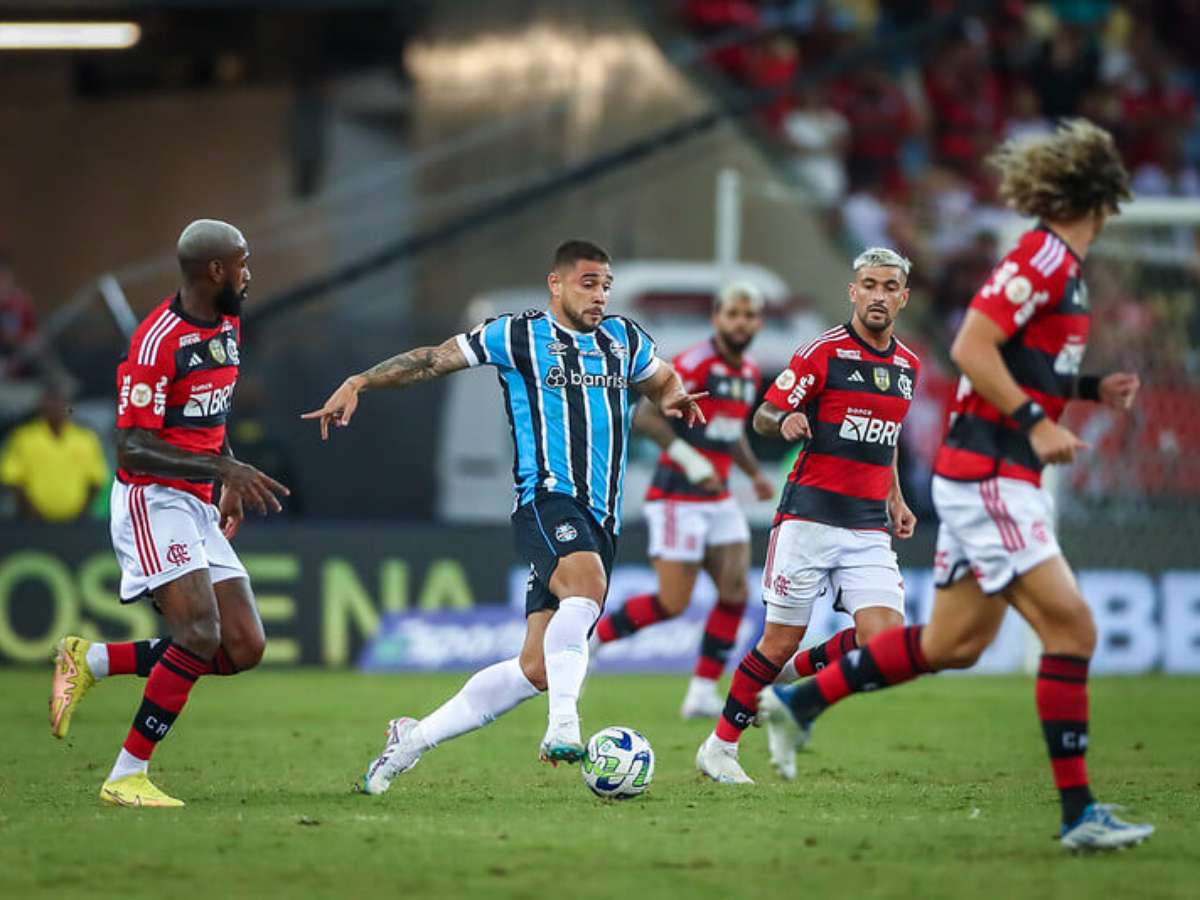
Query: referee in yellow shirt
point(54, 466)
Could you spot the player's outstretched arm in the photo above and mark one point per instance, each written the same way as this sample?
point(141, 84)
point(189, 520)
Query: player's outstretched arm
point(695, 465)
point(142, 451)
point(402, 370)
point(976, 352)
point(665, 391)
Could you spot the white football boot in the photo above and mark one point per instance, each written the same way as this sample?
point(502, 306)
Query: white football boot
point(562, 742)
point(399, 755)
point(718, 760)
point(702, 700)
point(785, 736)
point(1099, 829)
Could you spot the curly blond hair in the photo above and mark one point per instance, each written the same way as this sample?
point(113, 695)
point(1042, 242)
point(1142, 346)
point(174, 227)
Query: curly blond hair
point(1065, 176)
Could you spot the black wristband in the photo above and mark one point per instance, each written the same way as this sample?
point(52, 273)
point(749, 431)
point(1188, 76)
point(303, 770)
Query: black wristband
point(1028, 414)
point(1087, 387)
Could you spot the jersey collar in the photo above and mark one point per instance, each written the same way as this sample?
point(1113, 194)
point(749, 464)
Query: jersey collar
point(177, 308)
point(891, 347)
point(1042, 226)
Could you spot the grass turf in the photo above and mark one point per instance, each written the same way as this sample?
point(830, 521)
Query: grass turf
point(937, 789)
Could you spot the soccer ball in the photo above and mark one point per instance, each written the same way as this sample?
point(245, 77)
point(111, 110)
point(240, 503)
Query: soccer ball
point(619, 763)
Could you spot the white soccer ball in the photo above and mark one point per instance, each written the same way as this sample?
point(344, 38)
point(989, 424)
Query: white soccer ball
point(619, 763)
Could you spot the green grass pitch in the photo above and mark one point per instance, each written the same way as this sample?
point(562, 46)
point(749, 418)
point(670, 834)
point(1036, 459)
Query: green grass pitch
point(936, 789)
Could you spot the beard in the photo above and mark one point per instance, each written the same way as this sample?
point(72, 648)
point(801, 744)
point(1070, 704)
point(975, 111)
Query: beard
point(737, 345)
point(873, 327)
point(229, 301)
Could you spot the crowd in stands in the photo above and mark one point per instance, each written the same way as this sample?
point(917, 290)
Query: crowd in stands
point(892, 147)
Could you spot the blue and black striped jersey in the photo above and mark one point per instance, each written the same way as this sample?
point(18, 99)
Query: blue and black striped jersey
point(568, 399)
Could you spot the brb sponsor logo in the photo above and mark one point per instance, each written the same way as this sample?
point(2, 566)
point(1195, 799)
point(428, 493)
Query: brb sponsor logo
point(724, 429)
point(208, 401)
point(558, 377)
point(859, 425)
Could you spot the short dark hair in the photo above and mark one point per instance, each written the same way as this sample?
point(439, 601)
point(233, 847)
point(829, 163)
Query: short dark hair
point(570, 252)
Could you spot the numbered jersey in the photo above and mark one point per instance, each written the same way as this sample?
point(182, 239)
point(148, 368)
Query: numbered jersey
point(1038, 297)
point(732, 390)
point(178, 381)
point(855, 398)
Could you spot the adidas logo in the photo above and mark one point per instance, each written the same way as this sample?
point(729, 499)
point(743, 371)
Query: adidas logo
point(196, 360)
point(857, 376)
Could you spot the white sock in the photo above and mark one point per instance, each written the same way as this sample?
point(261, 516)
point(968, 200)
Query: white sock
point(788, 673)
point(724, 745)
point(97, 660)
point(702, 685)
point(127, 764)
point(566, 649)
point(489, 693)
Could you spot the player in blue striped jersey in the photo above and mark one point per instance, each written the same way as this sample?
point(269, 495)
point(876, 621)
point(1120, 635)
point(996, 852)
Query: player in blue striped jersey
point(567, 374)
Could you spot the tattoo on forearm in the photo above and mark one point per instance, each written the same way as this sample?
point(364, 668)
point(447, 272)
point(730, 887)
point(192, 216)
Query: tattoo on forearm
point(408, 368)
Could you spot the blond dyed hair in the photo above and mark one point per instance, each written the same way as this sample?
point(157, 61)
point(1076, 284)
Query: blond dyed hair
point(1068, 175)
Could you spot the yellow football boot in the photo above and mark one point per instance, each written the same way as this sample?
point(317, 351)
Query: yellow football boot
point(136, 790)
point(72, 680)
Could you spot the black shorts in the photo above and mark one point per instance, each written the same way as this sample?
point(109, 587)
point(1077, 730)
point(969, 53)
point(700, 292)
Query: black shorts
point(549, 527)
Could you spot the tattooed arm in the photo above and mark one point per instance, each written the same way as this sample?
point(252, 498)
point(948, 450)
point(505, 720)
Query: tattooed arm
point(413, 367)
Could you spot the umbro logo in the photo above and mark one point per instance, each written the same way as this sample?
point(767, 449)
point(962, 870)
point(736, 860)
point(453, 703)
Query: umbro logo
point(857, 376)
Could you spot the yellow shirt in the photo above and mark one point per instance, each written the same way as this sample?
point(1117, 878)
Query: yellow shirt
point(55, 472)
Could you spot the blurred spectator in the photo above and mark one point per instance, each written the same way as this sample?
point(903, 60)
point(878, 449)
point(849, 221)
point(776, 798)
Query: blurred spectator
point(1025, 119)
point(961, 276)
point(818, 135)
point(1068, 68)
point(1155, 105)
point(18, 322)
point(771, 65)
point(880, 118)
point(1172, 176)
point(966, 104)
point(54, 466)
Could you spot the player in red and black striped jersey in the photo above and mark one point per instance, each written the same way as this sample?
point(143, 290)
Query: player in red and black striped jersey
point(846, 393)
point(694, 521)
point(174, 390)
point(1019, 350)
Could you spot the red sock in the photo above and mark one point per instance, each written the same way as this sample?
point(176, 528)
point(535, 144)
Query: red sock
point(166, 692)
point(636, 614)
point(814, 659)
point(1062, 705)
point(720, 634)
point(891, 657)
point(753, 674)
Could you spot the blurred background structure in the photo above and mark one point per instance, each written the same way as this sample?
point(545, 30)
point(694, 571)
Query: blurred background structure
point(402, 169)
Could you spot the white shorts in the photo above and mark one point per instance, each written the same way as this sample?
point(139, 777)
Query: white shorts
point(995, 530)
point(807, 560)
point(160, 534)
point(680, 530)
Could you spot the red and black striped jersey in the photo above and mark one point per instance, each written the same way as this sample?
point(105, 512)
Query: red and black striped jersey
point(178, 381)
point(732, 389)
point(855, 398)
point(1038, 297)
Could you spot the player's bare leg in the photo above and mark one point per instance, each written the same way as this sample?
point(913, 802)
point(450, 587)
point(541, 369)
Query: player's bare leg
point(784, 735)
point(717, 756)
point(1048, 597)
point(726, 565)
point(242, 637)
point(676, 581)
point(189, 609)
point(487, 695)
point(79, 663)
point(580, 583)
point(963, 622)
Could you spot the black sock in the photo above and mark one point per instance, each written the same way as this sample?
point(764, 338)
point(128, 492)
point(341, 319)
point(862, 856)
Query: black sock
point(147, 653)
